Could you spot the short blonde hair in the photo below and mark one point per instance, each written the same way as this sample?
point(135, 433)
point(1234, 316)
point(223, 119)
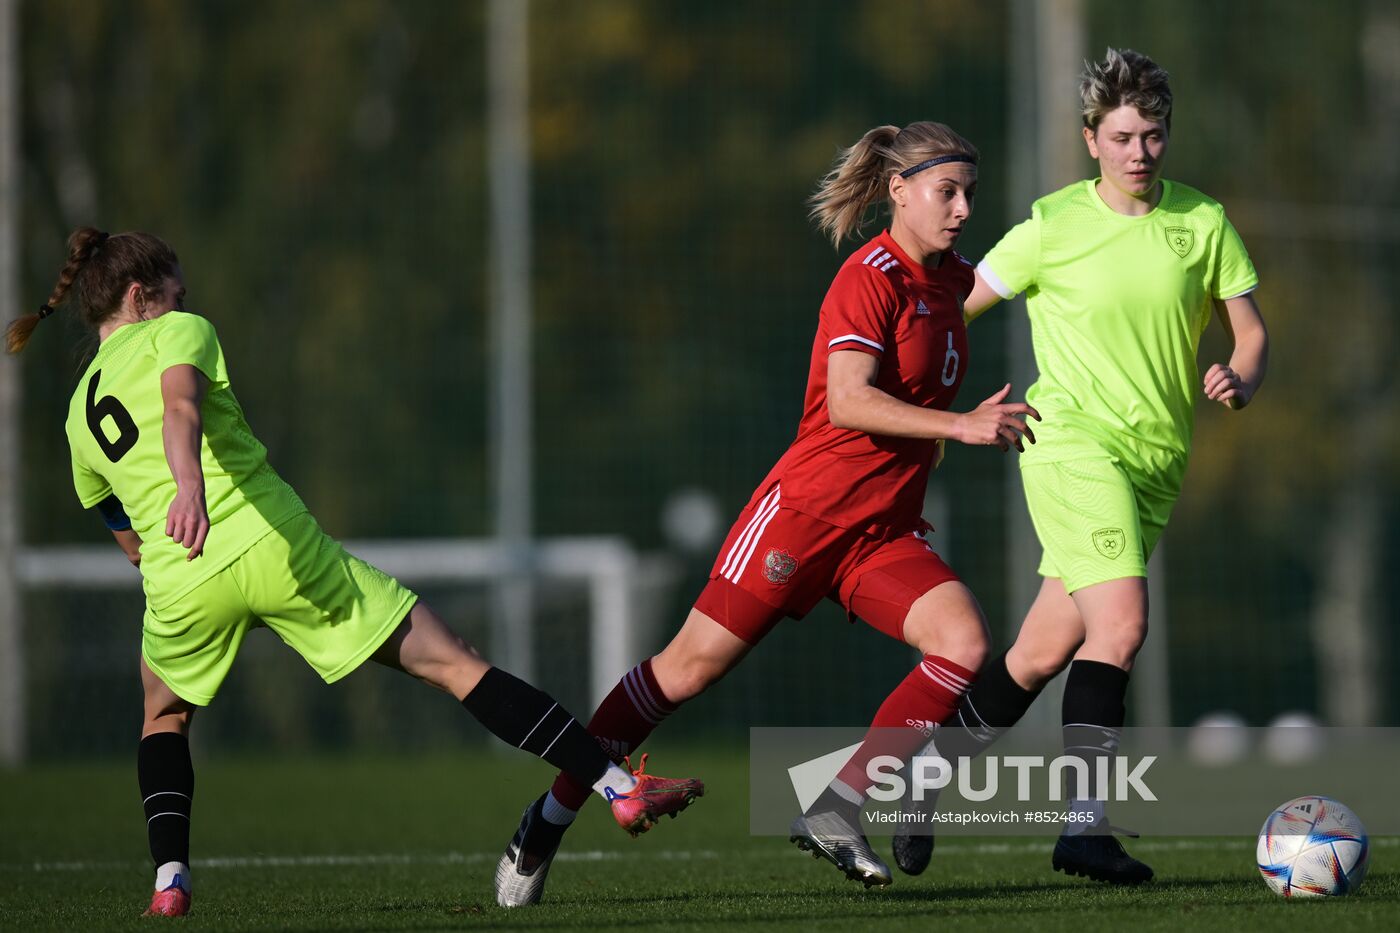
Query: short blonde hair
point(1124, 78)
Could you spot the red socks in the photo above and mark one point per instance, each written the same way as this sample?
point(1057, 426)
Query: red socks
point(905, 721)
point(622, 722)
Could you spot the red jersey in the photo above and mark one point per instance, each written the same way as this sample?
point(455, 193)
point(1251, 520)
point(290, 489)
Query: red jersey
point(910, 317)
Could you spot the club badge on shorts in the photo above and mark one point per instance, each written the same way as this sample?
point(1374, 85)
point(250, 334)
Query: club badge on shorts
point(1109, 542)
point(778, 566)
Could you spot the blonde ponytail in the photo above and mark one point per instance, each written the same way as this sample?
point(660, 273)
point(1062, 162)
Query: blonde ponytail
point(856, 181)
point(861, 174)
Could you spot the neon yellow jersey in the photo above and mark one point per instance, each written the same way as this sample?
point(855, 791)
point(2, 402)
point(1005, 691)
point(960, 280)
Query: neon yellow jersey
point(1117, 307)
point(114, 433)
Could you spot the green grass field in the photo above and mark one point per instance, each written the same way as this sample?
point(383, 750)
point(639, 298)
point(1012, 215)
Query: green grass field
point(410, 843)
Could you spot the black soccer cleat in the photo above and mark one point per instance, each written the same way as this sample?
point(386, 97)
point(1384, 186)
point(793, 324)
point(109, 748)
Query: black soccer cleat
point(1097, 855)
point(913, 839)
point(913, 848)
point(522, 870)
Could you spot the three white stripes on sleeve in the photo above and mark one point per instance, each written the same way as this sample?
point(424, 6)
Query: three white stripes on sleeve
point(878, 258)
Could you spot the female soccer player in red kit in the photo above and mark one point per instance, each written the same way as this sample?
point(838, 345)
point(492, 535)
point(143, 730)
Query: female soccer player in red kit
point(839, 515)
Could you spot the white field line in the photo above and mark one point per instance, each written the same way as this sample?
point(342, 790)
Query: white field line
point(1173, 845)
point(367, 859)
point(596, 855)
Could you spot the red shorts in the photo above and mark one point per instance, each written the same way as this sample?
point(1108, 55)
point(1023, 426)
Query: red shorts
point(778, 562)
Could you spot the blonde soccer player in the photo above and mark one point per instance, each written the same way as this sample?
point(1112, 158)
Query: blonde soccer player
point(839, 515)
point(1121, 274)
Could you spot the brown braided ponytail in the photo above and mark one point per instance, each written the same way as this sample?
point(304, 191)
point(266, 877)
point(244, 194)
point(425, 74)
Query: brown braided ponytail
point(99, 270)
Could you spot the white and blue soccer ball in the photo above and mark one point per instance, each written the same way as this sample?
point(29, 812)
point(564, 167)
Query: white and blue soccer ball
point(1313, 847)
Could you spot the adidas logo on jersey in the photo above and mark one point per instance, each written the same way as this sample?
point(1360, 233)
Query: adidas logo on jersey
point(922, 726)
point(921, 308)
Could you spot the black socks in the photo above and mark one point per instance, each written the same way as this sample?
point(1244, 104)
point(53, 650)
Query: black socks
point(166, 776)
point(1094, 712)
point(994, 704)
point(531, 720)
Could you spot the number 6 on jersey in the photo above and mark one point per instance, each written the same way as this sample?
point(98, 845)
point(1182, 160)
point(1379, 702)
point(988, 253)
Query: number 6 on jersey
point(950, 363)
point(110, 407)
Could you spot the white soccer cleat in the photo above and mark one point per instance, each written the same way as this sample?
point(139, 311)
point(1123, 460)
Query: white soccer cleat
point(522, 870)
point(831, 836)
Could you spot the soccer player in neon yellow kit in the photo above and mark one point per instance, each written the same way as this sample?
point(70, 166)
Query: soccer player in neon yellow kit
point(160, 445)
point(1120, 275)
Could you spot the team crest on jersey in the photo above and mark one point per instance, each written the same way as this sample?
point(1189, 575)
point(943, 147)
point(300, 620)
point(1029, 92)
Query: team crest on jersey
point(1181, 240)
point(1109, 542)
point(778, 566)
point(921, 308)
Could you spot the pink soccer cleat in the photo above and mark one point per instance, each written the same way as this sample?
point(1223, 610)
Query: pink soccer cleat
point(653, 797)
point(172, 902)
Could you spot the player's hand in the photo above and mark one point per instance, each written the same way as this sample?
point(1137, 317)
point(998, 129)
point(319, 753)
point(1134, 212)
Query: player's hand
point(995, 421)
point(187, 522)
point(1224, 385)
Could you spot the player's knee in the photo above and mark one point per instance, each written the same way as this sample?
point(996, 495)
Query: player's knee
point(696, 678)
point(440, 658)
point(1135, 636)
point(456, 674)
point(686, 678)
point(960, 636)
point(965, 645)
point(973, 654)
point(1124, 640)
point(1038, 663)
point(438, 676)
point(164, 714)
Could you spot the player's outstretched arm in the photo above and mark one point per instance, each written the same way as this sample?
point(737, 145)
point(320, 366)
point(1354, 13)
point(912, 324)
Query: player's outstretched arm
point(853, 402)
point(182, 388)
point(982, 297)
point(1235, 383)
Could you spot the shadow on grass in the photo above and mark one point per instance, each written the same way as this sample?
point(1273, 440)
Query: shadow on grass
point(746, 906)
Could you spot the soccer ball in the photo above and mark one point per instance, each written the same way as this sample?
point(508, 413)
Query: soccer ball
point(1313, 847)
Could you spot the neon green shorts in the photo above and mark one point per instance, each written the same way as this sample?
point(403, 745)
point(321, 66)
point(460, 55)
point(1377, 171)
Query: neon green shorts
point(1094, 522)
point(332, 608)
